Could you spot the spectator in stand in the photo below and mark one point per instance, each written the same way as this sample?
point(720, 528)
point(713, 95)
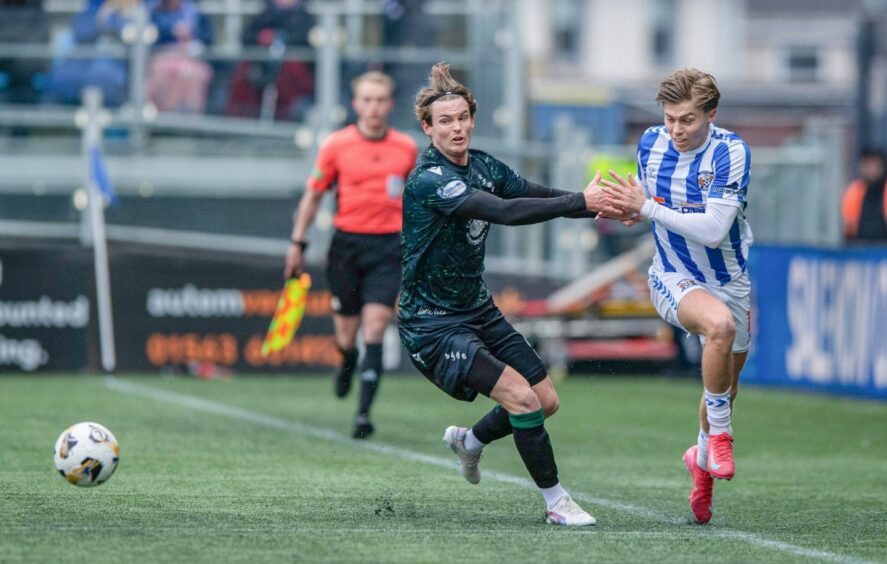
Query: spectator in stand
point(177, 79)
point(23, 21)
point(282, 86)
point(99, 24)
point(403, 25)
point(864, 208)
point(406, 25)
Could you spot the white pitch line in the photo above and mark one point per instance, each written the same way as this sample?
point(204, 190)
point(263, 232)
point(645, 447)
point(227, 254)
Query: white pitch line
point(216, 408)
point(399, 532)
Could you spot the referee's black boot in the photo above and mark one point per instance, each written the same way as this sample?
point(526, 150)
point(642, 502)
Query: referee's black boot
point(342, 381)
point(362, 427)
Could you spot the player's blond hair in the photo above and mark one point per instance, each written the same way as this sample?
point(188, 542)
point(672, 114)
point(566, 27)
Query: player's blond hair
point(442, 86)
point(373, 76)
point(690, 84)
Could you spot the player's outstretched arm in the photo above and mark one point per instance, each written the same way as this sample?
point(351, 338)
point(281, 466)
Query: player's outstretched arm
point(519, 211)
point(707, 228)
point(594, 200)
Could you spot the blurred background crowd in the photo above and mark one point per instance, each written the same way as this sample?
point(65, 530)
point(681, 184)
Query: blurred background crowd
point(804, 83)
point(215, 108)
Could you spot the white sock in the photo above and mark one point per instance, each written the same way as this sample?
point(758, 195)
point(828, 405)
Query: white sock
point(718, 408)
point(702, 450)
point(472, 444)
point(553, 494)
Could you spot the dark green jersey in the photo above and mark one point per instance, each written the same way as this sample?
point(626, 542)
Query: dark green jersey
point(443, 255)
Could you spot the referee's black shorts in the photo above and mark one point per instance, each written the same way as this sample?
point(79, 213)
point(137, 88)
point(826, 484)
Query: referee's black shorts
point(362, 269)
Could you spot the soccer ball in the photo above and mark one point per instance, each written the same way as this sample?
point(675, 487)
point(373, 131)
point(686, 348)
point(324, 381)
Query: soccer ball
point(86, 454)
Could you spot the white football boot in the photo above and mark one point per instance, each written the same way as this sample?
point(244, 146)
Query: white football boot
point(454, 437)
point(568, 513)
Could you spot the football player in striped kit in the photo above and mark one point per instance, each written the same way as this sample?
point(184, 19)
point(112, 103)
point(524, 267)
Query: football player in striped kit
point(692, 184)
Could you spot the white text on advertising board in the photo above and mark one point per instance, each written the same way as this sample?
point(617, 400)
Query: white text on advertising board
point(45, 312)
point(837, 315)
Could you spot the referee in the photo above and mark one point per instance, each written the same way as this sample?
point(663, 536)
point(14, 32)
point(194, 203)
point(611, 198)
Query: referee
point(368, 163)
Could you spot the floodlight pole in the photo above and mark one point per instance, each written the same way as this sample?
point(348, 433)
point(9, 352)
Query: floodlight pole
point(90, 119)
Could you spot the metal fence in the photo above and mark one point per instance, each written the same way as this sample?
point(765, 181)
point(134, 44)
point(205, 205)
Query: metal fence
point(209, 181)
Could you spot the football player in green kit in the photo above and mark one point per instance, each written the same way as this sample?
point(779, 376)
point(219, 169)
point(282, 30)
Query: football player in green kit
point(449, 325)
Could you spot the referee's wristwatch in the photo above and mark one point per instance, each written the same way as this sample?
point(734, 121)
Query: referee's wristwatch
point(300, 243)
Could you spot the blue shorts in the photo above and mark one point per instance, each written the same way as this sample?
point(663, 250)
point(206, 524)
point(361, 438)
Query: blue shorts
point(443, 349)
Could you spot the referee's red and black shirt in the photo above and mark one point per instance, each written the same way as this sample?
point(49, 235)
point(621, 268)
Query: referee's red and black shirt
point(370, 175)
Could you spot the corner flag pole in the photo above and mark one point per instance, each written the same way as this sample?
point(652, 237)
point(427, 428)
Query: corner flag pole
point(90, 119)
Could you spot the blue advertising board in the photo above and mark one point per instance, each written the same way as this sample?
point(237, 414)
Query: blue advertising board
point(820, 319)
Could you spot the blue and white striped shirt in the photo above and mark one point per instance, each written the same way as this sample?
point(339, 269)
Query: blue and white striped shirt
point(685, 182)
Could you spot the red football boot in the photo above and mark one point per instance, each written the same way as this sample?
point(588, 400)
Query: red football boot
point(720, 456)
point(700, 493)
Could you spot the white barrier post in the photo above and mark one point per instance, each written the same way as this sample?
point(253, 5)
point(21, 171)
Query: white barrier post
point(91, 119)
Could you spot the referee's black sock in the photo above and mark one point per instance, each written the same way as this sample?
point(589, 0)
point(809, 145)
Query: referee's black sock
point(492, 426)
point(349, 360)
point(343, 376)
point(370, 373)
point(534, 447)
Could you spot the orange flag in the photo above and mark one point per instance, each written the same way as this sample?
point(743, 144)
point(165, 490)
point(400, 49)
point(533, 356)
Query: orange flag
point(288, 316)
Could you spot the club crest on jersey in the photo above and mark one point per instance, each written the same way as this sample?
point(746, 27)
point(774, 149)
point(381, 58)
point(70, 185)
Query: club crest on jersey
point(686, 284)
point(451, 189)
point(705, 179)
point(652, 170)
point(477, 228)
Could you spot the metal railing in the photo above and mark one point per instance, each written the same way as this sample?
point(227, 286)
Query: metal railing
point(205, 163)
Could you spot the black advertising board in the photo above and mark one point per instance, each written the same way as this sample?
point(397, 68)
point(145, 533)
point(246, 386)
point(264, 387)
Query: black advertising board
point(178, 309)
point(173, 309)
point(46, 307)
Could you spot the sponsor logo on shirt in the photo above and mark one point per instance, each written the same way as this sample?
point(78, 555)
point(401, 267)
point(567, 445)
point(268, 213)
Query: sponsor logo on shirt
point(436, 170)
point(690, 207)
point(728, 190)
point(451, 189)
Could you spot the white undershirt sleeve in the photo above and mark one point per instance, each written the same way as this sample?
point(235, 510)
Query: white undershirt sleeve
point(707, 228)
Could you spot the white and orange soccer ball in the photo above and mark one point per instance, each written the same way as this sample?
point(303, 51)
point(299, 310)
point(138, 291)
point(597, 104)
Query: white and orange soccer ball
point(86, 454)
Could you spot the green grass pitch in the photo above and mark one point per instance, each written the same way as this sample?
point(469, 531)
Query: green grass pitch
point(261, 469)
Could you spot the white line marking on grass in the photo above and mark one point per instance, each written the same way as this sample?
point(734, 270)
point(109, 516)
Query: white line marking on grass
point(209, 406)
point(399, 532)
